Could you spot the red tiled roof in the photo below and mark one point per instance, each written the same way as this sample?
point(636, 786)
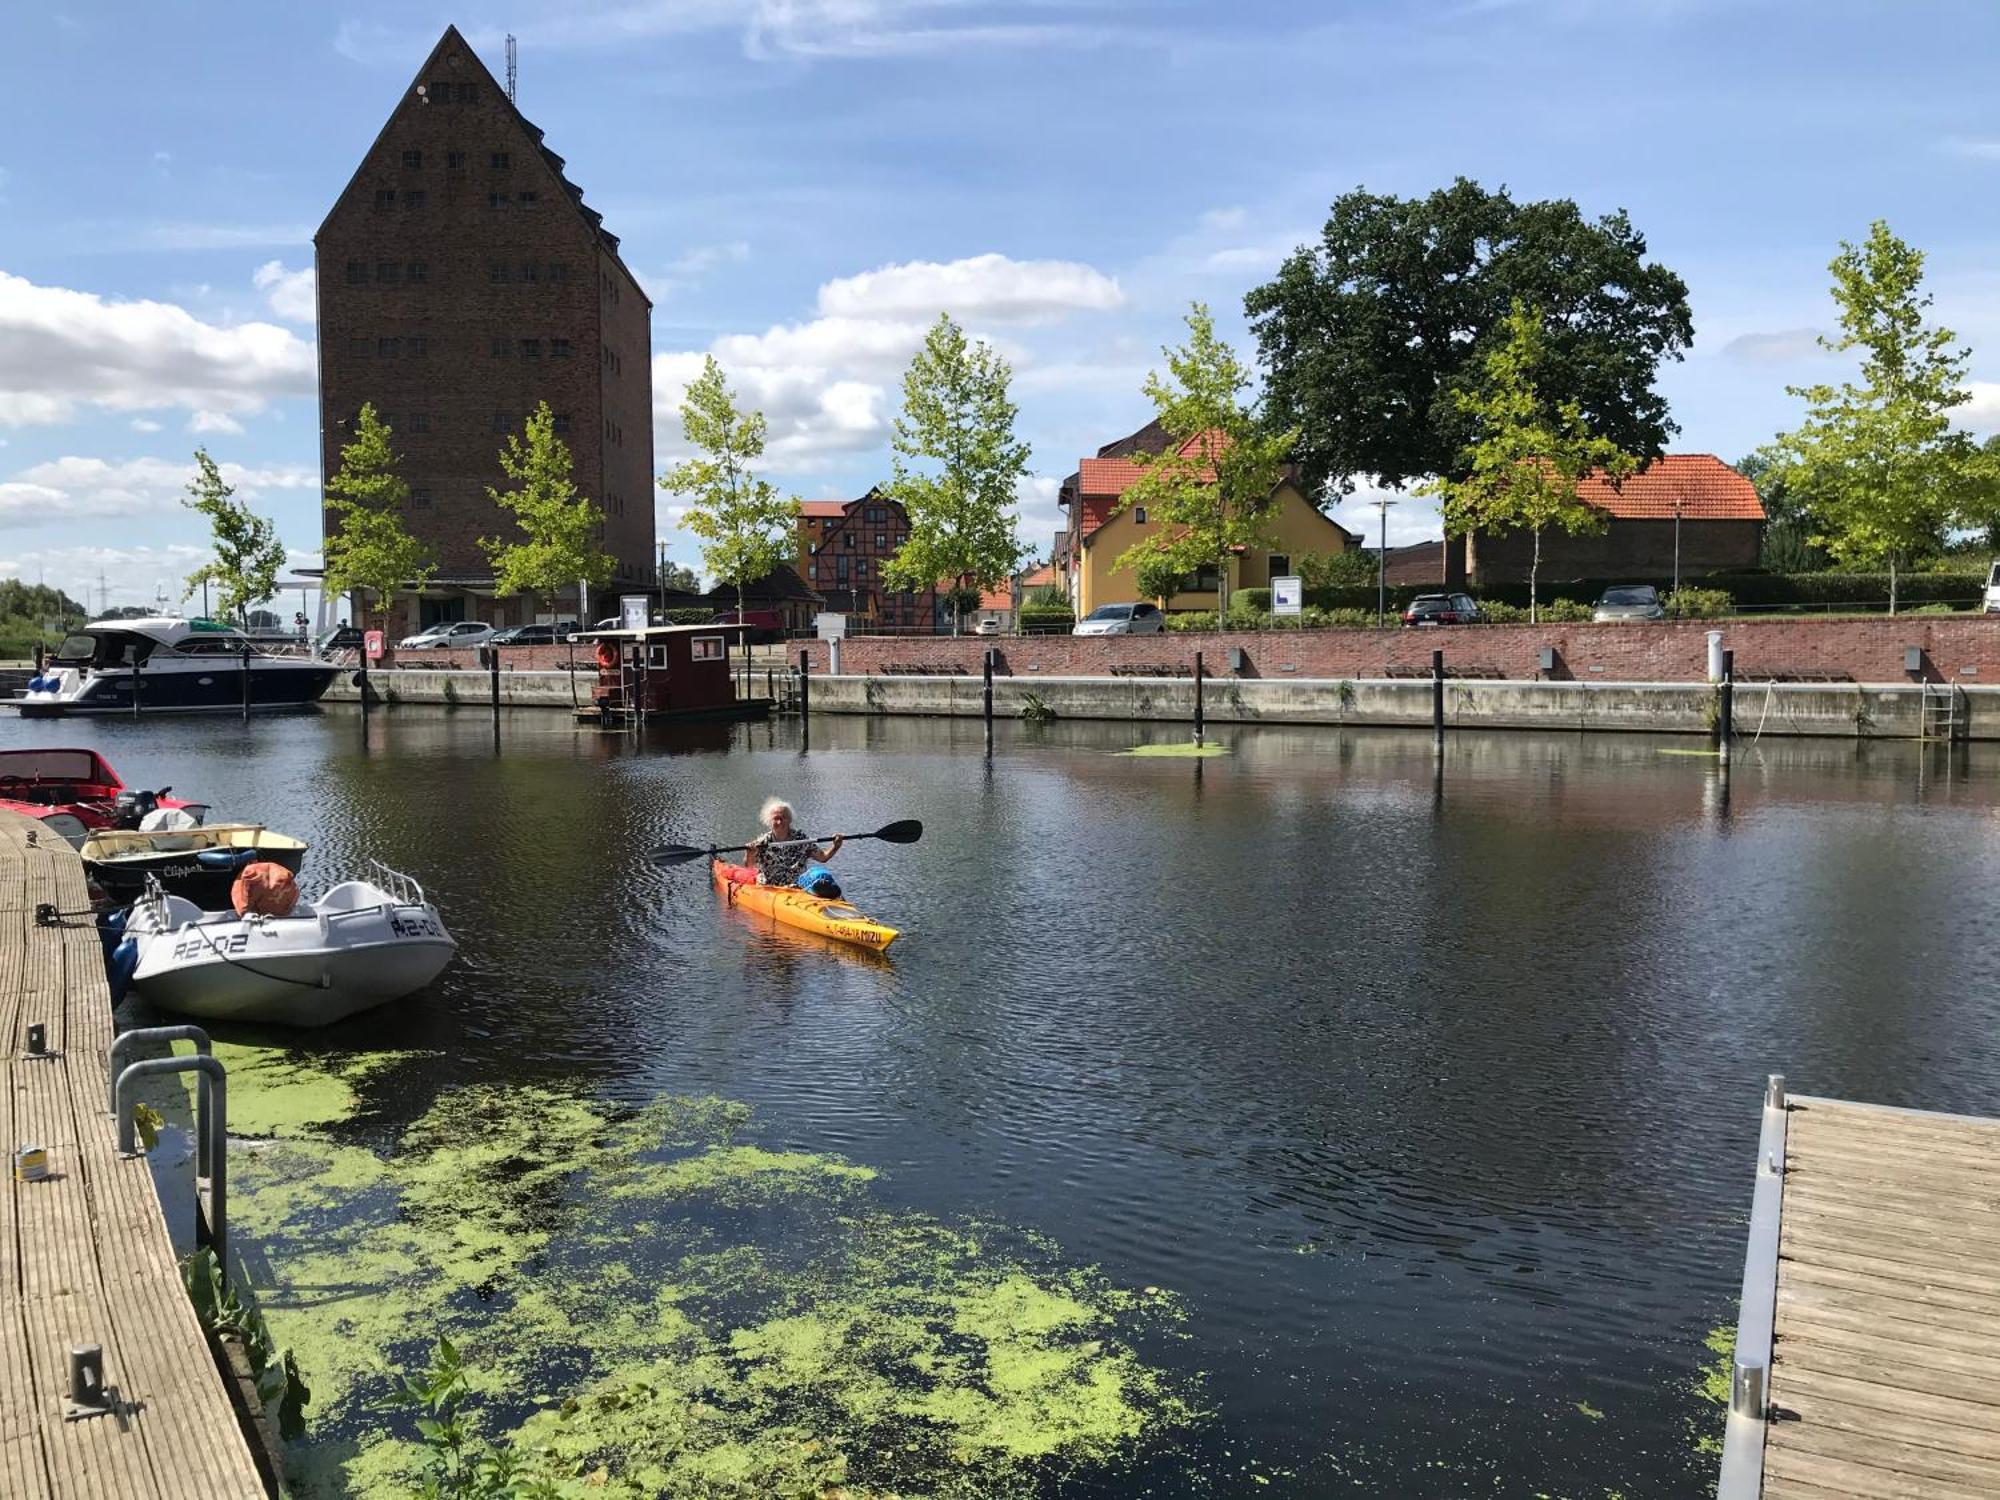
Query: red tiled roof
point(1000, 599)
point(1706, 488)
point(827, 509)
point(1040, 577)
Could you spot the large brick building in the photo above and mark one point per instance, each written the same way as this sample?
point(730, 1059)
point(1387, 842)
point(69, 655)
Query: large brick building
point(462, 279)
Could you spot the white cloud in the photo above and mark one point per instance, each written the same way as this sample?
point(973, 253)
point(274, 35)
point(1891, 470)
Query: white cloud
point(290, 293)
point(145, 424)
point(1224, 220)
point(705, 258)
point(990, 287)
point(1966, 146)
point(214, 421)
point(1412, 518)
point(1782, 346)
point(60, 349)
point(101, 577)
point(75, 488)
point(1982, 413)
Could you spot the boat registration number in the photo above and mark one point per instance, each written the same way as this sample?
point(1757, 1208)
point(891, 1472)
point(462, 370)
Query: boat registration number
point(195, 947)
point(419, 925)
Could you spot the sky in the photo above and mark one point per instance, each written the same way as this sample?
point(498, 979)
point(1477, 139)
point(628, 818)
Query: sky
point(801, 185)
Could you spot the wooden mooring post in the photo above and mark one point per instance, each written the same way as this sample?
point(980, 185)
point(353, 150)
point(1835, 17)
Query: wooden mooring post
point(1437, 702)
point(1197, 699)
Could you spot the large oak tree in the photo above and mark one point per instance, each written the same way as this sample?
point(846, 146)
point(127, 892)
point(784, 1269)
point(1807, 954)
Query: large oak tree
point(1369, 338)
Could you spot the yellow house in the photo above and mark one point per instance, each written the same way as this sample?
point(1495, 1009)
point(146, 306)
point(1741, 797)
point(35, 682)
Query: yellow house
point(1099, 533)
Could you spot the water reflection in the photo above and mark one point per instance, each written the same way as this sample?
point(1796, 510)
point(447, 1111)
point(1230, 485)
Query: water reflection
point(1431, 1098)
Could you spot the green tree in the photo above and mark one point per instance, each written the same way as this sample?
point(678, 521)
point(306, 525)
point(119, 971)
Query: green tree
point(1528, 452)
point(248, 553)
point(1368, 338)
point(746, 525)
point(957, 423)
point(1788, 526)
point(371, 550)
point(561, 544)
point(1877, 462)
point(1209, 489)
point(680, 580)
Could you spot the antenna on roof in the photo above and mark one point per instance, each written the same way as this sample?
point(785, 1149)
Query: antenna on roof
point(513, 66)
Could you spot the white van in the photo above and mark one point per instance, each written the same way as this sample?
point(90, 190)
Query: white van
point(1993, 589)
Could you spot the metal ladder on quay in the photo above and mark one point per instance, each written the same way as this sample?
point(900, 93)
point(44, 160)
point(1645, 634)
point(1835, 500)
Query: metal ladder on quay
point(1941, 717)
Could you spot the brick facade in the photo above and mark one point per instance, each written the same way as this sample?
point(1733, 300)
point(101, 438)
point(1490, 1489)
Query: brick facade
point(462, 280)
point(841, 556)
point(1964, 649)
point(1640, 550)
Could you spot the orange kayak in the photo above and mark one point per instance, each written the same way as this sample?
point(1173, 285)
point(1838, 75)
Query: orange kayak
point(800, 909)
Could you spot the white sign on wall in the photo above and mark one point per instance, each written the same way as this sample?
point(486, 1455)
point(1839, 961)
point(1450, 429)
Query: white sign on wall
point(1288, 596)
point(632, 611)
point(830, 627)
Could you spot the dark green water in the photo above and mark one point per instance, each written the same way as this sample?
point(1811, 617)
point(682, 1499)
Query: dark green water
point(1436, 1108)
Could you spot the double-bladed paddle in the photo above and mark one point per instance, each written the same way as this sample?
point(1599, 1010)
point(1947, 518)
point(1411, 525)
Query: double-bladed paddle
point(908, 831)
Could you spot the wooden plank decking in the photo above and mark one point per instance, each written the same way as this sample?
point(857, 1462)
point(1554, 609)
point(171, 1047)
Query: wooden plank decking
point(1884, 1310)
point(84, 1256)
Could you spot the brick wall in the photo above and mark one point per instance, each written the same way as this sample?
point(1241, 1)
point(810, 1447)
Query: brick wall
point(1965, 648)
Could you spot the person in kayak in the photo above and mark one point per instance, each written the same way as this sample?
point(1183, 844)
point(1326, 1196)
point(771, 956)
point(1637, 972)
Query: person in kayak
point(780, 860)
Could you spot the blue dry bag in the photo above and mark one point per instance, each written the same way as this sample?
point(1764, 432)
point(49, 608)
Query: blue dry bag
point(819, 880)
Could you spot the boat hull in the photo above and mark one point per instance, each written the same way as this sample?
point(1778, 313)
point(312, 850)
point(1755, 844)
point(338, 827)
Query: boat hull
point(208, 687)
point(799, 909)
point(179, 874)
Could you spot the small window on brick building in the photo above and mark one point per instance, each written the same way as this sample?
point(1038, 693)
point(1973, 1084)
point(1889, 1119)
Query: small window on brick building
point(360, 348)
point(559, 423)
point(420, 422)
point(881, 542)
point(529, 270)
point(527, 200)
point(454, 161)
point(558, 271)
point(500, 421)
point(499, 270)
point(387, 348)
point(419, 347)
point(414, 198)
point(419, 271)
point(388, 271)
point(812, 570)
point(531, 348)
point(357, 272)
point(1138, 515)
point(502, 347)
point(420, 498)
point(860, 567)
point(499, 161)
point(496, 200)
point(464, 93)
point(875, 514)
point(385, 198)
point(413, 159)
point(559, 348)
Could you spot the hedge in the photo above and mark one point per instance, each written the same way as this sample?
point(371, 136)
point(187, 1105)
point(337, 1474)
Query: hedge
point(1748, 590)
point(1041, 621)
point(689, 616)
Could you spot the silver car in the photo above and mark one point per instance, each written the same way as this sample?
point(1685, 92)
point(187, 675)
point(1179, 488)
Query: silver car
point(1123, 619)
point(1630, 601)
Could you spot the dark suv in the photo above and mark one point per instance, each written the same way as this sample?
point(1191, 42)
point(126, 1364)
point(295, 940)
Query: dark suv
point(1442, 609)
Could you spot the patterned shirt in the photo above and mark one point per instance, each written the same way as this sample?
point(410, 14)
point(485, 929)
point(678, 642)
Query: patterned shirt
point(783, 864)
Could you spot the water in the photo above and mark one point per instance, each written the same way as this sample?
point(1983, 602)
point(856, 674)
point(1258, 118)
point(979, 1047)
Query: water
point(1437, 1106)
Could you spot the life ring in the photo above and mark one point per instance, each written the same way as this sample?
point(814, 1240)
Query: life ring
point(607, 657)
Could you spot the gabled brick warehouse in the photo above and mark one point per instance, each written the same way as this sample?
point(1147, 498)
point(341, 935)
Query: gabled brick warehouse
point(462, 278)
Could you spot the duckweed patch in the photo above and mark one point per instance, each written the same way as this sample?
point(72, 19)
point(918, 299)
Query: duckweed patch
point(1185, 750)
point(651, 1303)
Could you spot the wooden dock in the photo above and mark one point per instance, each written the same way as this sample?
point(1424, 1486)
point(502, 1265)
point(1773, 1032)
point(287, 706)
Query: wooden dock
point(1868, 1347)
point(84, 1255)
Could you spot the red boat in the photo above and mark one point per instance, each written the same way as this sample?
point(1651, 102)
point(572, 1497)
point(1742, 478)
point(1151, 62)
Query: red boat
point(75, 791)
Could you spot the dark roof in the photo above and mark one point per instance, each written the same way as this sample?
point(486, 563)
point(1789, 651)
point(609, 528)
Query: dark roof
point(782, 583)
point(1152, 438)
point(590, 216)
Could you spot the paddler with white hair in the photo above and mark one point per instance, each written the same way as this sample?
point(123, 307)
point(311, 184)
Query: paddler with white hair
point(782, 854)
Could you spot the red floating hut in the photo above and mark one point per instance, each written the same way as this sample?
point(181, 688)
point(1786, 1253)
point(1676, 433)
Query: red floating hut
point(667, 672)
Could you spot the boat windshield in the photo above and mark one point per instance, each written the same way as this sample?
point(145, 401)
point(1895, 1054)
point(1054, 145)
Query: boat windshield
point(213, 643)
point(76, 648)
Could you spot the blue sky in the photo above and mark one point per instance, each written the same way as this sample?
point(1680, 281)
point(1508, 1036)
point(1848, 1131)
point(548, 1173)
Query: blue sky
point(801, 184)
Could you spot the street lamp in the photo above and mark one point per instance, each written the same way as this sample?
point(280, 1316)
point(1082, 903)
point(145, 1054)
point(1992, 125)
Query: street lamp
point(1382, 503)
point(1677, 544)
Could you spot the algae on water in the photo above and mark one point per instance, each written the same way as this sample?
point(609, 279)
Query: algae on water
point(653, 1304)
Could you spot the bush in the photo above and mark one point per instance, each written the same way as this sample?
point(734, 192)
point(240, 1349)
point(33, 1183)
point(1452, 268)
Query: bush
point(1046, 596)
point(688, 616)
point(1044, 620)
point(1699, 604)
point(1192, 619)
point(1351, 569)
point(1251, 601)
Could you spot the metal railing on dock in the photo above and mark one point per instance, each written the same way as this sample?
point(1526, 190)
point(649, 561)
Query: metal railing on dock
point(1868, 1344)
point(107, 1384)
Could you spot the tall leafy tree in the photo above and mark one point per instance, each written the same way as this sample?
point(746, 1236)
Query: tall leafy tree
point(956, 465)
point(1877, 461)
point(747, 526)
point(560, 543)
point(1369, 337)
point(248, 553)
point(370, 550)
point(1209, 488)
point(1528, 451)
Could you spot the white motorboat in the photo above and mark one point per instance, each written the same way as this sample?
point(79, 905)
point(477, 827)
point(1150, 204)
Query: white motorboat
point(361, 944)
point(172, 666)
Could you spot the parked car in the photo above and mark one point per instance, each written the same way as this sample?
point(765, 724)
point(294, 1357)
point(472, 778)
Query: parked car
point(990, 625)
point(530, 635)
point(1443, 609)
point(1630, 601)
point(1122, 619)
point(455, 634)
point(1993, 590)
